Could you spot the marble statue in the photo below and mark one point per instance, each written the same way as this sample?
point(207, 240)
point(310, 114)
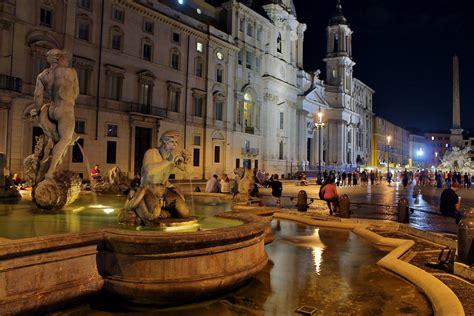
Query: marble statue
point(115, 181)
point(157, 198)
point(56, 118)
point(245, 184)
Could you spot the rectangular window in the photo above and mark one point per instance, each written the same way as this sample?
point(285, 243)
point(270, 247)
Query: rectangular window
point(83, 76)
point(199, 47)
point(175, 60)
point(76, 151)
point(112, 130)
point(148, 26)
point(242, 25)
point(199, 68)
point(237, 163)
point(117, 41)
point(196, 154)
point(248, 60)
point(147, 51)
point(46, 16)
point(218, 110)
point(85, 4)
point(198, 102)
point(249, 29)
point(115, 87)
point(281, 120)
point(219, 74)
point(118, 14)
point(217, 154)
point(258, 64)
point(176, 38)
point(174, 100)
point(145, 93)
point(197, 140)
point(83, 30)
point(111, 152)
point(240, 56)
point(80, 127)
point(259, 34)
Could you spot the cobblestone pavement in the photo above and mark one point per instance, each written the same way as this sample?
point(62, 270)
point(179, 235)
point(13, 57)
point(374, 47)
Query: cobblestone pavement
point(380, 202)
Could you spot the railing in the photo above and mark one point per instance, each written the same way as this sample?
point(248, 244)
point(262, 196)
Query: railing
point(147, 109)
point(10, 83)
point(250, 151)
point(249, 129)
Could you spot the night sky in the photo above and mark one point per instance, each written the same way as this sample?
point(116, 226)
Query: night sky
point(403, 50)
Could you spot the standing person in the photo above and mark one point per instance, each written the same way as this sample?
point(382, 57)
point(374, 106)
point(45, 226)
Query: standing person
point(212, 185)
point(329, 194)
point(450, 203)
point(277, 189)
point(225, 184)
point(405, 179)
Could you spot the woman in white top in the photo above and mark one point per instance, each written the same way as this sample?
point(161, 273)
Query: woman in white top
point(225, 184)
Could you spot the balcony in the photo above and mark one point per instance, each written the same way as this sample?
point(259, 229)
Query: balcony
point(246, 151)
point(10, 83)
point(249, 129)
point(147, 109)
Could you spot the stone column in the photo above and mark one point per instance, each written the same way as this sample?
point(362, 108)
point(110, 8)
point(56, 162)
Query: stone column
point(456, 130)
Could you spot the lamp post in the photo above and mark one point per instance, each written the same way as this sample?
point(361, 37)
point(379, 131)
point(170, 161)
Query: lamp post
point(389, 138)
point(319, 125)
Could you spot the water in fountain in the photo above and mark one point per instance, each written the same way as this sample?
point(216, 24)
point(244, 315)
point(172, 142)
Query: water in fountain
point(88, 167)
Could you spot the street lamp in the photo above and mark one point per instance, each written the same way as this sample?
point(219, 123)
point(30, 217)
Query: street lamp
point(389, 138)
point(319, 125)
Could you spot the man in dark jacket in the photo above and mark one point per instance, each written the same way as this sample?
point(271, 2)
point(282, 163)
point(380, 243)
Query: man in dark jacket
point(277, 188)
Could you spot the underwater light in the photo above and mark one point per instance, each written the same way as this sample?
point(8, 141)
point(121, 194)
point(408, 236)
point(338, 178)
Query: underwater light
point(108, 210)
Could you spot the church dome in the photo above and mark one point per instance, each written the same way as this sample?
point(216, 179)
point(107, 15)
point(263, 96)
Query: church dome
point(338, 17)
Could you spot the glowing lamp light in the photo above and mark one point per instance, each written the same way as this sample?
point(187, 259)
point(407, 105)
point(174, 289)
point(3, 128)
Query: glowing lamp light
point(419, 152)
point(447, 145)
point(180, 1)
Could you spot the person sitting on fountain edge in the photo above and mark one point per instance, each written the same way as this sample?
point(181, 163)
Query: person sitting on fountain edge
point(450, 203)
point(95, 173)
point(329, 194)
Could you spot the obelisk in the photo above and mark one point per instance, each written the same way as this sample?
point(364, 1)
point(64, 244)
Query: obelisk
point(456, 130)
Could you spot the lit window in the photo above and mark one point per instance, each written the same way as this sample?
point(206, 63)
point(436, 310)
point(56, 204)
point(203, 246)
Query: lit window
point(112, 130)
point(199, 47)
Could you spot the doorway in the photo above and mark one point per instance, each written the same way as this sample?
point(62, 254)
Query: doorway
point(142, 144)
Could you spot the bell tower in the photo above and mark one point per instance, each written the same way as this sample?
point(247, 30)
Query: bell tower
point(338, 59)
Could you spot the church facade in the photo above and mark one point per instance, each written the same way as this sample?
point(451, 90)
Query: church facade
point(227, 75)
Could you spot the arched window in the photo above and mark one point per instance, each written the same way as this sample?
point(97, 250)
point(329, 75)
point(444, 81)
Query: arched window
point(116, 38)
point(175, 58)
point(147, 49)
point(219, 73)
point(279, 43)
point(199, 67)
point(248, 111)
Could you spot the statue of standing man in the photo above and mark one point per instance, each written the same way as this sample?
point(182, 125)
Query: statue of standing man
point(57, 118)
point(53, 189)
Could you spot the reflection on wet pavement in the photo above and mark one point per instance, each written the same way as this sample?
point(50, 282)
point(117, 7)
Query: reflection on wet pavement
point(331, 270)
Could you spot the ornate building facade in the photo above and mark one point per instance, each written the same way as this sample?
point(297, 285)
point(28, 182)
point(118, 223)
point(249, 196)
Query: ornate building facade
point(344, 103)
point(228, 75)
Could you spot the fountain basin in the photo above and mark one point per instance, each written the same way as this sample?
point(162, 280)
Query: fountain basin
point(266, 213)
point(160, 268)
point(139, 266)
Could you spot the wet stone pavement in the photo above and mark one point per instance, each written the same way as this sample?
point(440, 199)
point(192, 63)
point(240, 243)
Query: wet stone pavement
point(380, 202)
